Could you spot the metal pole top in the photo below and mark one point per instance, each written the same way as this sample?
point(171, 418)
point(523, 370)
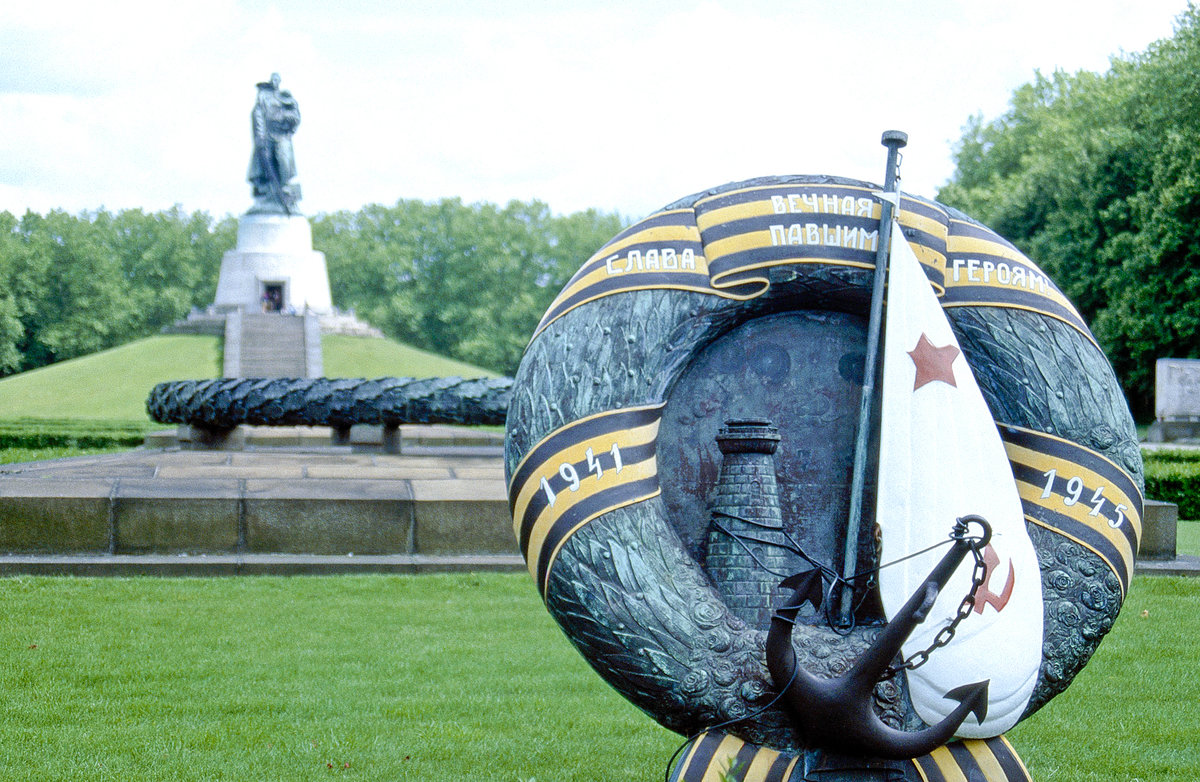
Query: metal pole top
point(896, 138)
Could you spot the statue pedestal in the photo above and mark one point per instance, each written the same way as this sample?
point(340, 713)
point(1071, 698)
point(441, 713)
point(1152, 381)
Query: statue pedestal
point(274, 268)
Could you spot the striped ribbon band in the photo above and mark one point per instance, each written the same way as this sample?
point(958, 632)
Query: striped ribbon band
point(984, 270)
point(973, 760)
point(748, 230)
point(662, 251)
point(1077, 493)
point(575, 474)
point(725, 244)
point(717, 757)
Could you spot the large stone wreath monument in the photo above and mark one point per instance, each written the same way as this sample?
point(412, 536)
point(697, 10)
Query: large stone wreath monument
point(824, 528)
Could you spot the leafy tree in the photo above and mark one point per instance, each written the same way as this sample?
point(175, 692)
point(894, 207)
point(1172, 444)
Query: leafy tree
point(1097, 178)
point(171, 261)
point(11, 331)
point(77, 284)
point(467, 281)
point(70, 289)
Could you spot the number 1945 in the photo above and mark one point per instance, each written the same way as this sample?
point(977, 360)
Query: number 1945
point(1074, 493)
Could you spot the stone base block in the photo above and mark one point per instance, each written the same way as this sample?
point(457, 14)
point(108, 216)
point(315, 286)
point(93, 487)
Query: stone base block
point(462, 516)
point(327, 517)
point(1160, 522)
point(199, 515)
point(259, 502)
point(202, 439)
point(1173, 431)
point(75, 519)
point(275, 250)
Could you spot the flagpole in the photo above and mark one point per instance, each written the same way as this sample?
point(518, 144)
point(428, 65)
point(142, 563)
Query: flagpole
point(893, 140)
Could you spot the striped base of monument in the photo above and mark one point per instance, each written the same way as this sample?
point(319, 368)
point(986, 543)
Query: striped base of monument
point(718, 757)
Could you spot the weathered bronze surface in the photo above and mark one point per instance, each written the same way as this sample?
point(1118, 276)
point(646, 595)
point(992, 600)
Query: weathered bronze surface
point(801, 370)
point(631, 586)
point(274, 119)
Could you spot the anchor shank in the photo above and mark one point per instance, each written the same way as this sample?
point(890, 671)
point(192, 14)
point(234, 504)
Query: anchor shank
point(887, 644)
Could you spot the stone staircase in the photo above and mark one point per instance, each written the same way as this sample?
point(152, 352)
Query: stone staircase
point(272, 345)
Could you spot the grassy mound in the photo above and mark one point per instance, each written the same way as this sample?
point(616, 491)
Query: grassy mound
point(113, 385)
point(367, 357)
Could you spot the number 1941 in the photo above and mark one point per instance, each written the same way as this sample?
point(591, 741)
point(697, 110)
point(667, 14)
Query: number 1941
point(569, 472)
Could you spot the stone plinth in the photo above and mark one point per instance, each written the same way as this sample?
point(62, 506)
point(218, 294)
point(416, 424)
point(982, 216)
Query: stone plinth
point(1160, 523)
point(318, 501)
point(1177, 389)
point(274, 250)
point(1173, 431)
point(1176, 400)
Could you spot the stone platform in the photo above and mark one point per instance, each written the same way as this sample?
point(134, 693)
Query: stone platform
point(1181, 565)
point(287, 508)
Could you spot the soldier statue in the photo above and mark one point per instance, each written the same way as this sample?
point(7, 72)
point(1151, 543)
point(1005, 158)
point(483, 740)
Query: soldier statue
point(273, 121)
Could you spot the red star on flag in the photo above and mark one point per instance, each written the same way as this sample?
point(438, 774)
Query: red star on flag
point(933, 363)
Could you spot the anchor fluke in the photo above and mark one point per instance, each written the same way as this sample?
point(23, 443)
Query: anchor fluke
point(808, 587)
point(974, 697)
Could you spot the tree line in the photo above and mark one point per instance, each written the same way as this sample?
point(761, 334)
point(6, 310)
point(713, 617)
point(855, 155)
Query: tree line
point(1097, 178)
point(468, 281)
point(74, 284)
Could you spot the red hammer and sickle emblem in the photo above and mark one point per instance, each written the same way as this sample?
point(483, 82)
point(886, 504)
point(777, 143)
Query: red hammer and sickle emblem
point(985, 595)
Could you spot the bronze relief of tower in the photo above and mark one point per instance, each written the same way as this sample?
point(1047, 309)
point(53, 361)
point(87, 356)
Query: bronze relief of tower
point(748, 551)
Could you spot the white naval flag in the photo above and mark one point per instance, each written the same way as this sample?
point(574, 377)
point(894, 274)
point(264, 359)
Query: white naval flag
point(941, 458)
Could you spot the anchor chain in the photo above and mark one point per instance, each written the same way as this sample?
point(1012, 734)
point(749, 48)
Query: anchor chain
point(946, 634)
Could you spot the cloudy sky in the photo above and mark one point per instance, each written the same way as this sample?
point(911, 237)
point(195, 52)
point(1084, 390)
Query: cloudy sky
point(622, 105)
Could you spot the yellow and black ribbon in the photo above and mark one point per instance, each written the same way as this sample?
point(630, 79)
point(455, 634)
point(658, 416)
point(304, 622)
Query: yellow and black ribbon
point(983, 270)
point(578, 472)
point(747, 231)
point(726, 243)
point(662, 251)
point(973, 760)
point(717, 757)
point(1077, 493)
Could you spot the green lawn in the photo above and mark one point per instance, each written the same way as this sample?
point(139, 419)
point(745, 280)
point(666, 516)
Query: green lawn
point(450, 677)
point(17, 455)
point(433, 678)
point(1132, 713)
point(33, 439)
point(1187, 540)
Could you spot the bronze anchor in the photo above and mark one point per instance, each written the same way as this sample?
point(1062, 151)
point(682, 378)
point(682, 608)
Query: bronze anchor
point(837, 713)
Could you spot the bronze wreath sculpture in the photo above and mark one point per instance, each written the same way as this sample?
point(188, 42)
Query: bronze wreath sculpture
point(747, 304)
